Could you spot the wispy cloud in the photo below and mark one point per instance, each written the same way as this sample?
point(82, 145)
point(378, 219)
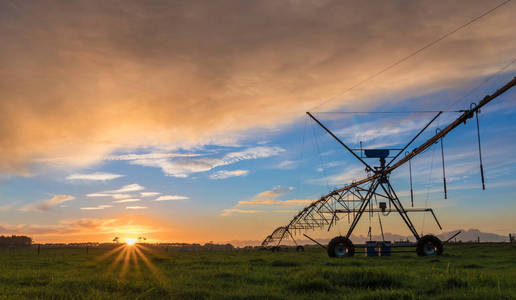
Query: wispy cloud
point(98, 176)
point(229, 211)
point(136, 207)
point(341, 178)
point(292, 202)
point(287, 164)
point(274, 193)
point(48, 204)
point(184, 167)
point(127, 188)
point(121, 193)
point(114, 196)
point(151, 156)
point(268, 200)
point(98, 207)
point(127, 200)
point(371, 131)
point(171, 198)
point(283, 211)
point(223, 174)
point(149, 194)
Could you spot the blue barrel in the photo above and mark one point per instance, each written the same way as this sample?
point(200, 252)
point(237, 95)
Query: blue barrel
point(372, 249)
point(386, 249)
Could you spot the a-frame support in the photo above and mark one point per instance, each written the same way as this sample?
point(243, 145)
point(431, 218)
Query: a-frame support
point(382, 182)
point(390, 194)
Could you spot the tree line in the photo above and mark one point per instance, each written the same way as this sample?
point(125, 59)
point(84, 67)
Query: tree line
point(15, 241)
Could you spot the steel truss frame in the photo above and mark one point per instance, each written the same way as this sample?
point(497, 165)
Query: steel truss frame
point(328, 210)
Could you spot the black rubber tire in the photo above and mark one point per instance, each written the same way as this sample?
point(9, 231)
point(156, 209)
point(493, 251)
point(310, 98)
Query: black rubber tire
point(300, 248)
point(341, 247)
point(429, 245)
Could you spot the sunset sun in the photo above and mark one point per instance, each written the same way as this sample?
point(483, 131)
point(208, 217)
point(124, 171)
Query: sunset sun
point(130, 242)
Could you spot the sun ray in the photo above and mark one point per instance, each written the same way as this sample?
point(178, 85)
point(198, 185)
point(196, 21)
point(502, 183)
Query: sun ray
point(125, 262)
point(108, 254)
point(117, 260)
point(154, 270)
point(151, 251)
point(136, 263)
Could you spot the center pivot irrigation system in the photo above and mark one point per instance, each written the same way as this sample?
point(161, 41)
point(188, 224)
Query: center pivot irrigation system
point(374, 194)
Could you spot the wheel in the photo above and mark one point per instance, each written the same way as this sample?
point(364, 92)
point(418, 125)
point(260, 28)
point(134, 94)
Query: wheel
point(300, 248)
point(429, 245)
point(275, 249)
point(340, 247)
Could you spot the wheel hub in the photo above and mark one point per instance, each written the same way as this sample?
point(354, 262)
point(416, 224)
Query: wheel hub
point(341, 250)
point(429, 249)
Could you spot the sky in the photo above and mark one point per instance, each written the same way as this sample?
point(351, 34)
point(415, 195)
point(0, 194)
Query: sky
point(184, 121)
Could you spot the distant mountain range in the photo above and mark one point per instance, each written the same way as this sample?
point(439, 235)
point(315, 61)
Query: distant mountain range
point(465, 236)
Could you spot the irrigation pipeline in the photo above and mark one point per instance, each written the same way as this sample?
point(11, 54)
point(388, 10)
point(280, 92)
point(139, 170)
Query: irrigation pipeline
point(319, 219)
point(467, 114)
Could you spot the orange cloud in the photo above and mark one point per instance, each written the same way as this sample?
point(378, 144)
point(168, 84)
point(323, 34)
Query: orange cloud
point(81, 80)
point(268, 200)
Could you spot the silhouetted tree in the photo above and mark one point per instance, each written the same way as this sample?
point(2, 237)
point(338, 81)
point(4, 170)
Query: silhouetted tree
point(15, 241)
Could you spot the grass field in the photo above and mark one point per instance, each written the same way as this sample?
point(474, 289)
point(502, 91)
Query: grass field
point(483, 271)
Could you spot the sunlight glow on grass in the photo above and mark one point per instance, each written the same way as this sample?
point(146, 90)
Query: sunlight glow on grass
point(125, 260)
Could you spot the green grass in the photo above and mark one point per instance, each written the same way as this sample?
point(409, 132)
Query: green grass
point(463, 272)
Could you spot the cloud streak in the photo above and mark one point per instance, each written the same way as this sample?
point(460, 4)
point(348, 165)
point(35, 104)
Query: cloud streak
point(127, 189)
point(127, 200)
point(121, 193)
point(184, 167)
point(229, 211)
point(171, 198)
point(98, 207)
point(149, 194)
point(97, 176)
point(223, 174)
point(48, 204)
point(136, 207)
point(268, 201)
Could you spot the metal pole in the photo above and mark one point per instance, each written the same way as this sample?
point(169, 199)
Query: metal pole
point(381, 227)
point(399, 207)
point(456, 234)
point(363, 207)
point(338, 140)
point(292, 237)
point(444, 171)
point(314, 241)
point(480, 154)
point(411, 190)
